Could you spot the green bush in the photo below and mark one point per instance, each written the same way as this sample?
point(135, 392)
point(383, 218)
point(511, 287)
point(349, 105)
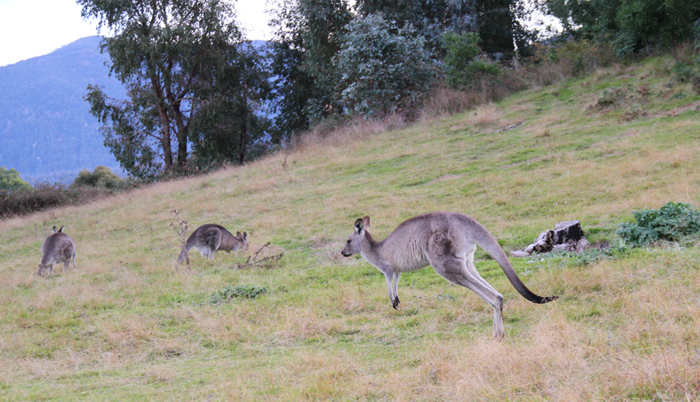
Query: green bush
point(10, 180)
point(43, 196)
point(465, 63)
point(102, 177)
point(240, 291)
point(672, 222)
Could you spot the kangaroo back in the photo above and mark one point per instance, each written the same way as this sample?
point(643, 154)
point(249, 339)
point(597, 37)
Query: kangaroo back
point(210, 238)
point(483, 238)
point(58, 247)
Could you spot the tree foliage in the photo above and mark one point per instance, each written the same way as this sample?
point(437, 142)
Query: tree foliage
point(174, 57)
point(465, 61)
point(10, 180)
point(632, 25)
point(381, 68)
point(230, 122)
point(429, 18)
point(102, 177)
point(307, 39)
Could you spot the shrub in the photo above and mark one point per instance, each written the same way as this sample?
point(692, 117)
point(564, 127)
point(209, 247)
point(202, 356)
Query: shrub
point(672, 222)
point(464, 61)
point(44, 196)
point(240, 291)
point(10, 180)
point(102, 177)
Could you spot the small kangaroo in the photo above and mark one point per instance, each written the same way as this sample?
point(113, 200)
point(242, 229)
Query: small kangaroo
point(56, 248)
point(210, 238)
point(445, 240)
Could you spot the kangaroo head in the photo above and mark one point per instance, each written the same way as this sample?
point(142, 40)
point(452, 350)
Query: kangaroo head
point(354, 242)
point(243, 238)
point(44, 269)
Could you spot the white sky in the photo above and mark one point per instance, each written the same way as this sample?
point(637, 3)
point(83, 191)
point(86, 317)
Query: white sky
point(30, 28)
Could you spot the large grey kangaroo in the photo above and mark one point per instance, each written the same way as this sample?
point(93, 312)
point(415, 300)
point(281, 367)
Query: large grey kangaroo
point(445, 240)
point(210, 238)
point(56, 248)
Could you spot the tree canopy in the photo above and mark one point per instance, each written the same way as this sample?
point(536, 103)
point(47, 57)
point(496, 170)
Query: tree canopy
point(173, 57)
point(10, 180)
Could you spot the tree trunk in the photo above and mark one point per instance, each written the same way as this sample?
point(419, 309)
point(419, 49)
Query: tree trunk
point(244, 126)
point(165, 124)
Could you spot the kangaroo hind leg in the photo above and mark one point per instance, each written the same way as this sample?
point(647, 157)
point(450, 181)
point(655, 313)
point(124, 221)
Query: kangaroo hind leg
point(455, 270)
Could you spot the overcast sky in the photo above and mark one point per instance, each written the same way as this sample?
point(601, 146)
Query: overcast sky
point(30, 28)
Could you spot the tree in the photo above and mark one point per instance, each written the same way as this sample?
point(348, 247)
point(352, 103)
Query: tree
point(10, 180)
point(430, 18)
point(307, 39)
point(632, 25)
point(381, 68)
point(230, 123)
point(159, 49)
point(465, 61)
point(102, 177)
point(496, 25)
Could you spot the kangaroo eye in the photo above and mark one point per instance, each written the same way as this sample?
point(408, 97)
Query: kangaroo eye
point(348, 241)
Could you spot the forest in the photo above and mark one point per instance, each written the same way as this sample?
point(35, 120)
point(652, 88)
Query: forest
point(199, 95)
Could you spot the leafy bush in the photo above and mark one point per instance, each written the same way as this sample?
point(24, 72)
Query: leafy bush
point(10, 180)
point(672, 222)
point(240, 291)
point(381, 69)
point(102, 177)
point(44, 196)
point(464, 61)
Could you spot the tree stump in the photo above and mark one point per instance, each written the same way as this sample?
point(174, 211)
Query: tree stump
point(566, 236)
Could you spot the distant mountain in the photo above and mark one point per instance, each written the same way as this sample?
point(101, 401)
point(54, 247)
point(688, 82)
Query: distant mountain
point(46, 130)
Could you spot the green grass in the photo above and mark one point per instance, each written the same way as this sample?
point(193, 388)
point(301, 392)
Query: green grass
point(128, 324)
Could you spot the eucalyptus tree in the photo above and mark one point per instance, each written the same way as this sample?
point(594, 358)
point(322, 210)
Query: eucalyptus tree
point(430, 18)
point(307, 39)
point(161, 50)
point(382, 69)
point(632, 25)
point(231, 124)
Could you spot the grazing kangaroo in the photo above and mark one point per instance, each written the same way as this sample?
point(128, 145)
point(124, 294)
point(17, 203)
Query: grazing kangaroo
point(445, 240)
point(210, 238)
point(56, 248)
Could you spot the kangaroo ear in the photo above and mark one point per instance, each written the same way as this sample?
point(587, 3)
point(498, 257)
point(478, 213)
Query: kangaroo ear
point(366, 220)
point(60, 230)
point(238, 234)
point(359, 225)
point(245, 235)
point(55, 230)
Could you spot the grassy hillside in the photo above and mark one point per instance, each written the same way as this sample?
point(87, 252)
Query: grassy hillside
point(127, 324)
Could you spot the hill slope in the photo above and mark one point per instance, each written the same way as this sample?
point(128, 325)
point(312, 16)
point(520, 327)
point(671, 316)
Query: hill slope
point(127, 324)
point(46, 129)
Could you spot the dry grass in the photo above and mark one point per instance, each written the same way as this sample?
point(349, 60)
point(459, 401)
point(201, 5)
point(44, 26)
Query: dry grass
point(127, 325)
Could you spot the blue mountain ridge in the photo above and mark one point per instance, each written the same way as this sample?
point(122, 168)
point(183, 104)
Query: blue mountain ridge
point(46, 130)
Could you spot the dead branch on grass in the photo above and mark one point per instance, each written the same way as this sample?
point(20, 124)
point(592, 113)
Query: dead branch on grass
point(266, 262)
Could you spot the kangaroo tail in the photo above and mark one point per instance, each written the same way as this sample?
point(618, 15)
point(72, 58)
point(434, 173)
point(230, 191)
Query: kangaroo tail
point(490, 245)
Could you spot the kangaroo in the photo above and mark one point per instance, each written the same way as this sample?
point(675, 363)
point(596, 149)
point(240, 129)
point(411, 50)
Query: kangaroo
point(210, 238)
point(56, 248)
point(445, 240)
